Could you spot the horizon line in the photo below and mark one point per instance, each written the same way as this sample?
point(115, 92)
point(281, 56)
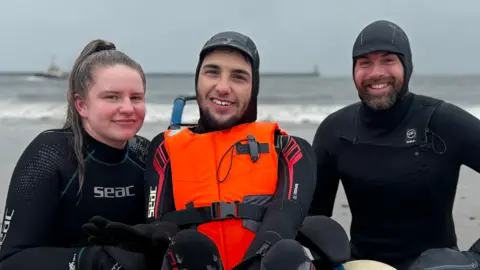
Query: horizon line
point(271, 73)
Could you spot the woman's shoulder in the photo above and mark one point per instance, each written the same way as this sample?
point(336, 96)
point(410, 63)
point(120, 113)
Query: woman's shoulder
point(55, 139)
point(45, 154)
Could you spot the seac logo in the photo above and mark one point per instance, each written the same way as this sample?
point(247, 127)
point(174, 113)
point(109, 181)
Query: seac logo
point(113, 192)
point(152, 201)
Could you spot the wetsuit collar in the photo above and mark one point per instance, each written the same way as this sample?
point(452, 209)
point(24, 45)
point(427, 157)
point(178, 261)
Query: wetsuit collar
point(389, 118)
point(103, 152)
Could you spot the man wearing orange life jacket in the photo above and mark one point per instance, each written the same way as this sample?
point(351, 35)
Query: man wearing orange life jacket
point(245, 186)
point(243, 183)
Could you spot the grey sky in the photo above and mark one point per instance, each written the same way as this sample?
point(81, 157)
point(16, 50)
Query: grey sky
point(291, 35)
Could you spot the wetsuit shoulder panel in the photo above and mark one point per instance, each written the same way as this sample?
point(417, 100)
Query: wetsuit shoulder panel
point(41, 163)
point(296, 158)
point(158, 179)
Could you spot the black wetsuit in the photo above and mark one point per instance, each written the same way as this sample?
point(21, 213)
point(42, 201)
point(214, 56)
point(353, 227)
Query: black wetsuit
point(281, 217)
point(43, 213)
point(399, 168)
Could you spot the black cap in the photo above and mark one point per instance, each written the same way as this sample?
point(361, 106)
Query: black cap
point(382, 36)
point(235, 41)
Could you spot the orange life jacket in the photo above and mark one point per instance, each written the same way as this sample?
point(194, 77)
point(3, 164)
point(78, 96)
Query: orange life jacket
point(222, 181)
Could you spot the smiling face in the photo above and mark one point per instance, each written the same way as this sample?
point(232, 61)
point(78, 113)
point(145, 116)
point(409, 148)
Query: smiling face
point(224, 87)
point(114, 109)
point(378, 77)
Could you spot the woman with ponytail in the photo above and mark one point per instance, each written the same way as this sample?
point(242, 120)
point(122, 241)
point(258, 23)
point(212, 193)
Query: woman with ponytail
point(92, 166)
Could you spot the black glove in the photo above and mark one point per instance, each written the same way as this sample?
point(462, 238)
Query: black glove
point(103, 258)
point(137, 238)
point(98, 234)
point(151, 239)
point(143, 237)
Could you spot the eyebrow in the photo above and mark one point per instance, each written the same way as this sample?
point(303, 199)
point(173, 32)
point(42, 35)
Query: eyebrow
point(238, 70)
point(112, 92)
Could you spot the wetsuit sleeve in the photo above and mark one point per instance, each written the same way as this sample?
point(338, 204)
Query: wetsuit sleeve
point(158, 180)
point(460, 132)
point(32, 199)
point(293, 196)
point(327, 177)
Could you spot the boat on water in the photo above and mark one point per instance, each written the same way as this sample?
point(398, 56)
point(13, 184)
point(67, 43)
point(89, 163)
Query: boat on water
point(53, 72)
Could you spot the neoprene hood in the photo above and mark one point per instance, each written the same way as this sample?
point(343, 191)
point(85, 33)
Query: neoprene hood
point(386, 36)
point(245, 46)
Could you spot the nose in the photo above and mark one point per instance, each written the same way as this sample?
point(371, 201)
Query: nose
point(223, 86)
point(126, 106)
point(377, 70)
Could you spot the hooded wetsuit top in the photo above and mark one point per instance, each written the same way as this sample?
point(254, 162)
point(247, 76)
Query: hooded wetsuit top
point(284, 215)
point(44, 213)
point(399, 167)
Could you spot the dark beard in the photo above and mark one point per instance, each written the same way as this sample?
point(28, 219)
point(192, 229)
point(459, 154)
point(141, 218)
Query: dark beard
point(378, 103)
point(215, 125)
point(375, 102)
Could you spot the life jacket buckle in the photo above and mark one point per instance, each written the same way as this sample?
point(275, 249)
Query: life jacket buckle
point(224, 210)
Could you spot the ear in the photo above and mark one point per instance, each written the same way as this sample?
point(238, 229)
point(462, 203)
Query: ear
point(80, 105)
